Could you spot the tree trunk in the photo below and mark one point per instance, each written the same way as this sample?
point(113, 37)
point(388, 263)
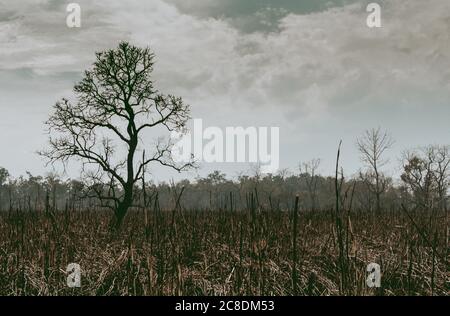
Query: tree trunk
point(127, 201)
point(124, 205)
point(378, 195)
point(120, 213)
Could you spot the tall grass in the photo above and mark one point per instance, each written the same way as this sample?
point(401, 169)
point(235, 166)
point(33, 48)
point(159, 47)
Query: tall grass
point(203, 252)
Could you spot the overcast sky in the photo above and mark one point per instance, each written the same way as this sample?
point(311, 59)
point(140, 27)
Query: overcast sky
point(312, 68)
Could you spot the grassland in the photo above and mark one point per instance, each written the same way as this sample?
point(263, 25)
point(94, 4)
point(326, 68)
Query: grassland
point(223, 253)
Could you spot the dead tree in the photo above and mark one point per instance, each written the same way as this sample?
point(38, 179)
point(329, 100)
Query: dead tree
point(310, 170)
point(372, 145)
point(116, 102)
point(426, 172)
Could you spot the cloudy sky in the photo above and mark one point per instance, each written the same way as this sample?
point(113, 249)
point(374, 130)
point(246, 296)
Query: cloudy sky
point(312, 68)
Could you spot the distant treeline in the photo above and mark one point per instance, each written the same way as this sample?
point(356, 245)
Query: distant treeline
point(424, 184)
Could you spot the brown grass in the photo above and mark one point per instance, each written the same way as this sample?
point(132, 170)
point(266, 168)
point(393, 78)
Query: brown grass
point(219, 253)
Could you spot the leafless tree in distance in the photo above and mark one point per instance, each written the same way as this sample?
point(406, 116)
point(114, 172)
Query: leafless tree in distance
point(426, 172)
point(310, 169)
point(372, 146)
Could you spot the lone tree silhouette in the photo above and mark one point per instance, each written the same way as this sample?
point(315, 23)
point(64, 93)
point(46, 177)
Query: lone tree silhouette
point(115, 103)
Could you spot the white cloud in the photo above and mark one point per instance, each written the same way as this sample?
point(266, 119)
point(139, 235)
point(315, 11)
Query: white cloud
point(332, 51)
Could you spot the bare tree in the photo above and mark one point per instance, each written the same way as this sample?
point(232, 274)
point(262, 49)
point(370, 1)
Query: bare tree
point(426, 172)
point(115, 103)
point(418, 176)
point(440, 156)
point(310, 170)
point(372, 146)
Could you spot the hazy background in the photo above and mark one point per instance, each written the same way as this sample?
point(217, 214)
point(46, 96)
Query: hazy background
point(313, 68)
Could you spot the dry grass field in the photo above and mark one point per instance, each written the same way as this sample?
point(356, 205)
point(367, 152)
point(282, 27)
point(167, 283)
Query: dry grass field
point(223, 253)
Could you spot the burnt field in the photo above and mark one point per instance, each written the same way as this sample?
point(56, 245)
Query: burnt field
point(249, 252)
